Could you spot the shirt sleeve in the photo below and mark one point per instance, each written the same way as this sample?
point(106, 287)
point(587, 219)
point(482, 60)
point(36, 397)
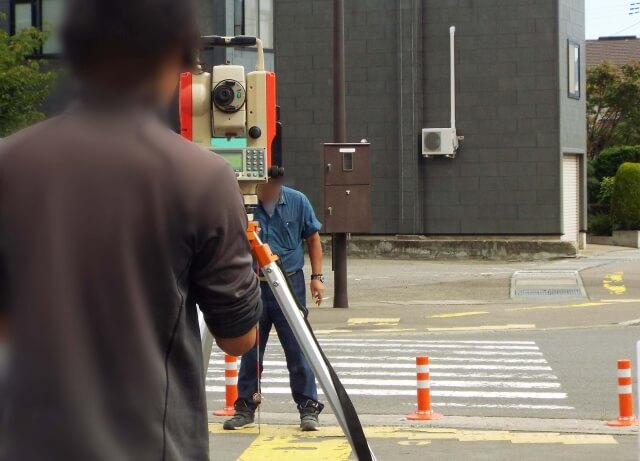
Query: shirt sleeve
point(4, 308)
point(4, 277)
point(310, 224)
point(223, 281)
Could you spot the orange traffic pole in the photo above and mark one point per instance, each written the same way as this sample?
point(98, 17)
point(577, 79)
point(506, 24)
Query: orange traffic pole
point(625, 396)
point(424, 412)
point(231, 386)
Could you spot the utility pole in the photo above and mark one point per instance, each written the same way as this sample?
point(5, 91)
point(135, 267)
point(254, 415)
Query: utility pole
point(339, 241)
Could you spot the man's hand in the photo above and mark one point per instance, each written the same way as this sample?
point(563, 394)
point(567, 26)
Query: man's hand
point(317, 291)
point(315, 255)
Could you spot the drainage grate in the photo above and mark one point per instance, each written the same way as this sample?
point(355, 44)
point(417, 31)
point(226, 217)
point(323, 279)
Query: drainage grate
point(552, 284)
point(531, 292)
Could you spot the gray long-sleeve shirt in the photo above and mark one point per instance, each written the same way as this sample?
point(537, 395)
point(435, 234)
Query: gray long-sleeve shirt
point(112, 229)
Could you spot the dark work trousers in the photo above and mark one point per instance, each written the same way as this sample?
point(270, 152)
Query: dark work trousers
point(301, 378)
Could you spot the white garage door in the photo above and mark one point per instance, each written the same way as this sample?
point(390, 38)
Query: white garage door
point(571, 198)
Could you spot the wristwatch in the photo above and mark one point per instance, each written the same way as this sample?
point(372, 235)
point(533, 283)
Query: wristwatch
point(319, 277)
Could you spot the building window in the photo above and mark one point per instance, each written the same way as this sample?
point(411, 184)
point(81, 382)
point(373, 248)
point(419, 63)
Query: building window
point(574, 70)
point(255, 18)
point(42, 14)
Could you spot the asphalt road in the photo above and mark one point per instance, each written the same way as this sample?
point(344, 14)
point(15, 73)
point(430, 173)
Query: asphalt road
point(577, 377)
point(583, 361)
point(494, 360)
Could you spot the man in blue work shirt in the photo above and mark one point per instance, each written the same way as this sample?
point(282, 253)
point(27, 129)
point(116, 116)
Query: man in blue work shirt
point(286, 221)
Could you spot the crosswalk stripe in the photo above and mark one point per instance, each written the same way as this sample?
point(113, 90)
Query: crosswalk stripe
point(402, 354)
point(216, 371)
point(365, 360)
point(411, 392)
point(512, 375)
point(412, 357)
point(435, 366)
point(442, 383)
point(501, 406)
point(404, 347)
point(424, 341)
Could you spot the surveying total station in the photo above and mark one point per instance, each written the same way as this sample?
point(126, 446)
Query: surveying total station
point(235, 116)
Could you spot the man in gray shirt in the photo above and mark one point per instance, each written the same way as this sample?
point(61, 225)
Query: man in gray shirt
point(113, 230)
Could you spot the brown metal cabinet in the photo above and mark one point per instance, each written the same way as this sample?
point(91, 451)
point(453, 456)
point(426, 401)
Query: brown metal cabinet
point(347, 191)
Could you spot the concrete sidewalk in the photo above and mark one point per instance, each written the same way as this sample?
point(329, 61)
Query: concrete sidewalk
point(411, 443)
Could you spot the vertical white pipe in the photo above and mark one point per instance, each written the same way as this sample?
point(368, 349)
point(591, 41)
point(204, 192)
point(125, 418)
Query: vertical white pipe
point(260, 62)
point(452, 33)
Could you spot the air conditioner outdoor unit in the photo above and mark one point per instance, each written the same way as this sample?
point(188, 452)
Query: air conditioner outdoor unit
point(444, 141)
point(439, 141)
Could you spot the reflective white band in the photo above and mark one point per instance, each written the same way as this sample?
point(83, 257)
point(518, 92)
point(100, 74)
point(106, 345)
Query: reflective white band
point(231, 366)
point(231, 381)
point(624, 389)
point(625, 373)
point(424, 384)
point(423, 368)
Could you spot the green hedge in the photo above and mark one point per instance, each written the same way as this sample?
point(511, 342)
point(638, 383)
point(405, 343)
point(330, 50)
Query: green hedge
point(607, 163)
point(625, 206)
point(600, 224)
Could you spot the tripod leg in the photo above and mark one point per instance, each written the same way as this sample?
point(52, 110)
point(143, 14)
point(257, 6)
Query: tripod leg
point(286, 299)
point(207, 343)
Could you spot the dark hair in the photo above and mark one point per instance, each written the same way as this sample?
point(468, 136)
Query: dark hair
point(127, 39)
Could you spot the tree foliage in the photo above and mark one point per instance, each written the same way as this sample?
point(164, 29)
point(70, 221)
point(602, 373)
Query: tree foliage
point(24, 84)
point(606, 190)
point(613, 112)
point(609, 160)
point(625, 206)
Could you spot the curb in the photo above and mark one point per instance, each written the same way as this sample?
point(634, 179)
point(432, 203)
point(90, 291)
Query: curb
point(560, 426)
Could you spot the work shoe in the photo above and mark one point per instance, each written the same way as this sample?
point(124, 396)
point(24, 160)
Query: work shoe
point(309, 416)
point(244, 417)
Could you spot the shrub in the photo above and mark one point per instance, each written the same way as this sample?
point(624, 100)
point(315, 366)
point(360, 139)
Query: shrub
point(609, 160)
point(600, 224)
point(625, 205)
point(24, 85)
point(606, 190)
point(593, 185)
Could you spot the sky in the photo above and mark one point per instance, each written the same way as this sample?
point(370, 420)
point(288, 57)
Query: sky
point(611, 17)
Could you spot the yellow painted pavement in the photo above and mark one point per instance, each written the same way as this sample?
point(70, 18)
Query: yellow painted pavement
point(287, 443)
point(566, 306)
point(614, 283)
point(331, 332)
point(373, 321)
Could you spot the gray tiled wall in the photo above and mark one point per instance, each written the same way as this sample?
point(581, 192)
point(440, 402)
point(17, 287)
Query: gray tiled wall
point(573, 132)
point(512, 106)
point(507, 177)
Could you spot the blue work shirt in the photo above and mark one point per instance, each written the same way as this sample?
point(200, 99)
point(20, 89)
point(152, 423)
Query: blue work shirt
point(293, 222)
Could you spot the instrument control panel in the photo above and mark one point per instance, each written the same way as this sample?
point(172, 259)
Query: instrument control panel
point(249, 164)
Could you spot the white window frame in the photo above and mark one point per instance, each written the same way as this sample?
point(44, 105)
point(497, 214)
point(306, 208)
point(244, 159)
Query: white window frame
point(255, 18)
point(574, 60)
point(52, 47)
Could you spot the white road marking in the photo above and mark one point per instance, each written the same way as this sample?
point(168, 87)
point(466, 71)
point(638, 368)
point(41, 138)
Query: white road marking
point(214, 372)
point(431, 346)
point(411, 392)
point(511, 407)
point(442, 383)
point(402, 354)
point(425, 341)
point(409, 366)
point(510, 375)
